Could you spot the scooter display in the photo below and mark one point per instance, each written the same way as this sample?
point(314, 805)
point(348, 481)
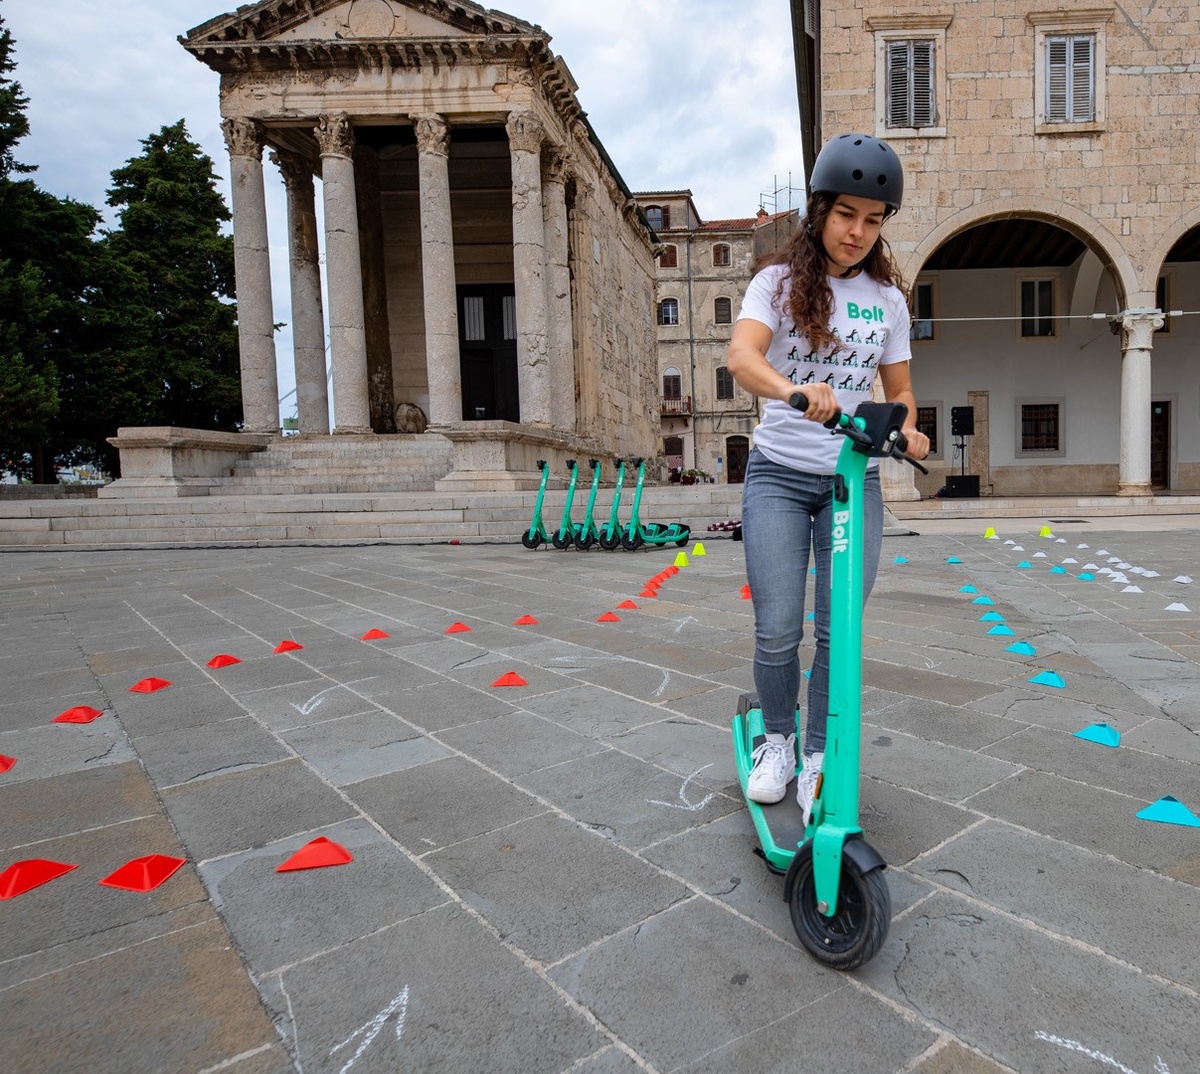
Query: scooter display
point(834, 883)
point(536, 534)
point(637, 533)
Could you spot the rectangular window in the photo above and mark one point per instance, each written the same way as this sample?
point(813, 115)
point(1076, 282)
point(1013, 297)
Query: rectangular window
point(724, 383)
point(473, 318)
point(1162, 299)
point(1040, 427)
point(668, 311)
point(723, 311)
point(922, 324)
point(721, 255)
point(927, 423)
point(1037, 308)
point(508, 305)
point(669, 258)
point(910, 84)
point(1070, 78)
point(672, 386)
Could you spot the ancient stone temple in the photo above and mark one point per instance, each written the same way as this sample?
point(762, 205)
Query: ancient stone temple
point(487, 270)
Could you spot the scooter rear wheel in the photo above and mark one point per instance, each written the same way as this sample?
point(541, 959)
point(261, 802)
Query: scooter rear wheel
point(531, 539)
point(561, 539)
point(857, 930)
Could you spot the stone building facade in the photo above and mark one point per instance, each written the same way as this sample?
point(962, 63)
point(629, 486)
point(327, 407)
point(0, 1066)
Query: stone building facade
point(1051, 225)
point(484, 260)
point(703, 270)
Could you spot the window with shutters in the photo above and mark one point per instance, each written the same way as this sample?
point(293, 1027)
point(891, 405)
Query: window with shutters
point(723, 311)
point(724, 384)
point(1037, 309)
point(669, 258)
point(910, 75)
point(668, 311)
point(721, 255)
point(910, 85)
point(1069, 77)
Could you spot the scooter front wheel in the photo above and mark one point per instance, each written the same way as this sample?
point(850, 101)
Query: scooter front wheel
point(609, 541)
point(857, 930)
point(531, 538)
point(561, 539)
point(585, 541)
point(631, 542)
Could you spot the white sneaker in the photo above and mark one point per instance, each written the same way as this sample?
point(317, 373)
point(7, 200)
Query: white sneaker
point(806, 783)
point(774, 769)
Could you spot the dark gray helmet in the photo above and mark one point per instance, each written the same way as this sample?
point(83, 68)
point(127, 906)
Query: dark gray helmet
point(860, 165)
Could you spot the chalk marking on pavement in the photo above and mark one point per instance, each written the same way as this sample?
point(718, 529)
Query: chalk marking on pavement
point(398, 1006)
point(317, 700)
point(681, 623)
point(1074, 1046)
point(690, 807)
point(663, 685)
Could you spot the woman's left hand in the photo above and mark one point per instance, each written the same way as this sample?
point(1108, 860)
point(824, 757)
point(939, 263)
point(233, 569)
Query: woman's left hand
point(918, 443)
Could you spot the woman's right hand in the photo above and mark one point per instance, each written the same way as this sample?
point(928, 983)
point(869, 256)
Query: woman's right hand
point(822, 403)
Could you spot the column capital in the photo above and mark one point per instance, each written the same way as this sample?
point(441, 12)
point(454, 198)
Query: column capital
point(335, 135)
point(243, 137)
point(432, 131)
point(525, 132)
point(1138, 328)
point(297, 170)
point(556, 167)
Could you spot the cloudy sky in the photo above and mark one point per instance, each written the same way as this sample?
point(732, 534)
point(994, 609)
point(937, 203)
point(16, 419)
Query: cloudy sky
point(696, 94)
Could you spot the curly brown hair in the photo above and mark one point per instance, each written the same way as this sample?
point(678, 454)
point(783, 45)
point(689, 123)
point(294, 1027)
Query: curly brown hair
point(809, 296)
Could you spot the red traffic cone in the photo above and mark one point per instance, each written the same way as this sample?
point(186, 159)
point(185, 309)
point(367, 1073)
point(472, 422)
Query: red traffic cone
point(375, 635)
point(457, 628)
point(149, 686)
point(79, 714)
point(609, 617)
point(288, 646)
point(628, 604)
point(143, 874)
point(21, 876)
point(745, 592)
point(648, 593)
point(510, 678)
point(317, 854)
point(525, 620)
point(6, 762)
point(223, 660)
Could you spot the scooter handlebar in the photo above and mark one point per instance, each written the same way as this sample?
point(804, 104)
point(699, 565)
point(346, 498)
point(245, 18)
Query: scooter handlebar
point(839, 423)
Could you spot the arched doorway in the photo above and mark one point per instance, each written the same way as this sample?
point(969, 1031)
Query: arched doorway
point(737, 452)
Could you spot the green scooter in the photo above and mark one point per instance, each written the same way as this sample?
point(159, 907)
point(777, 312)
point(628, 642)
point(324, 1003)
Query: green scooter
point(565, 534)
point(610, 532)
point(638, 533)
point(587, 532)
point(835, 888)
point(536, 534)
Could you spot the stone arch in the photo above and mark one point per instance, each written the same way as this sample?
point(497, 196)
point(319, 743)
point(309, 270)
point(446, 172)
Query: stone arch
point(1095, 236)
point(1179, 227)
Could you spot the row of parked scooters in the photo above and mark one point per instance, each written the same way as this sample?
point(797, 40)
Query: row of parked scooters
point(610, 535)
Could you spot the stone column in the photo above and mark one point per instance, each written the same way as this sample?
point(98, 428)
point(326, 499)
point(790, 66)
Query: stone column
point(525, 137)
point(343, 269)
point(252, 269)
point(558, 289)
point(308, 320)
point(1137, 333)
point(440, 293)
point(380, 393)
point(583, 305)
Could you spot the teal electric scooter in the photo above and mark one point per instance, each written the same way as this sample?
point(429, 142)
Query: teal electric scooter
point(536, 534)
point(587, 532)
point(563, 536)
point(834, 886)
point(638, 533)
point(610, 532)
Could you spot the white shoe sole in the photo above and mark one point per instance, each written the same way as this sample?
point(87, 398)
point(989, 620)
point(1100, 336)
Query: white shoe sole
point(766, 797)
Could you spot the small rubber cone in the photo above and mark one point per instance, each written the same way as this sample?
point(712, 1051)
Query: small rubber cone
point(681, 559)
point(22, 876)
point(1021, 647)
point(698, 549)
point(79, 714)
point(953, 559)
point(457, 628)
point(1177, 607)
point(991, 617)
point(989, 533)
point(609, 617)
point(1002, 631)
point(1049, 678)
point(648, 593)
point(143, 874)
point(6, 762)
point(223, 660)
point(1170, 810)
point(510, 678)
point(628, 604)
point(968, 589)
point(375, 634)
point(1132, 589)
point(1086, 576)
point(673, 570)
point(1101, 733)
point(983, 600)
point(149, 686)
point(1058, 570)
point(320, 853)
point(1045, 532)
point(1024, 565)
point(288, 646)
point(745, 592)
point(900, 560)
point(525, 620)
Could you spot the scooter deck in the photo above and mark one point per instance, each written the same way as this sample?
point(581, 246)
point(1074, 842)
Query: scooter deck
point(780, 827)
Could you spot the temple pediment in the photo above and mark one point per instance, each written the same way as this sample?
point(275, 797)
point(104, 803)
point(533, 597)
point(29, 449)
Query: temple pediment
point(279, 22)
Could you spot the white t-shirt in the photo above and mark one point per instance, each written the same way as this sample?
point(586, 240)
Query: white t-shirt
point(871, 319)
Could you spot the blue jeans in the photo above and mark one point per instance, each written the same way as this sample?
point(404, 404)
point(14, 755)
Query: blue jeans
point(784, 512)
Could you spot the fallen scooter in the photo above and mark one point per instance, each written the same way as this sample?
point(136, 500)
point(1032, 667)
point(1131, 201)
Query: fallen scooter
point(536, 534)
point(637, 533)
point(834, 883)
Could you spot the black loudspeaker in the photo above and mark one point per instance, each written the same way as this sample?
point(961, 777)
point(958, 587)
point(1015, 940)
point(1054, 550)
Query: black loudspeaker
point(965, 486)
point(962, 421)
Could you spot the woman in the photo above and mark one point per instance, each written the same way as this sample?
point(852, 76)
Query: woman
point(822, 317)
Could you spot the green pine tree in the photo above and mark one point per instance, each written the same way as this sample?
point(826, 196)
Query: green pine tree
point(14, 124)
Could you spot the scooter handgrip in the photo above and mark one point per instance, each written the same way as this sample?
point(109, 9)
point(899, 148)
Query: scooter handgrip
point(798, 401)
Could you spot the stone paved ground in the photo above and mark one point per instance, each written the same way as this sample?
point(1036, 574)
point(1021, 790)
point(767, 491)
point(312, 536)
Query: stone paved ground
point(559, 876)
